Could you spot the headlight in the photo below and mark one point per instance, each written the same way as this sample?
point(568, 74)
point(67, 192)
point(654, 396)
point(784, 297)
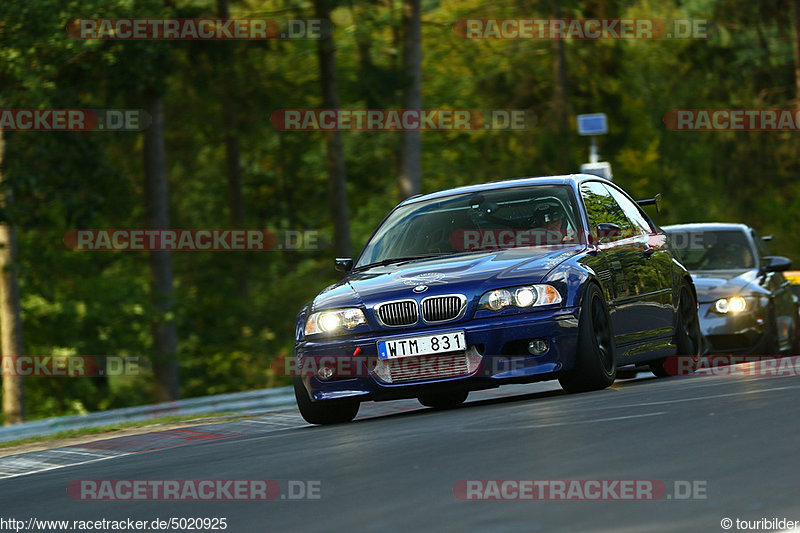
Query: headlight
point(527, 296)
point(334, 321)
point(736, 304)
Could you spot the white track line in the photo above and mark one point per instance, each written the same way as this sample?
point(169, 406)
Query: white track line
point(592, 421)
point(62, 450)
point(56, 467)
point(709, 397)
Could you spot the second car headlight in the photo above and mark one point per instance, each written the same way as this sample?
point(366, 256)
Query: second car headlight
point(736, 304)
point(334, 321)
point(525, 296)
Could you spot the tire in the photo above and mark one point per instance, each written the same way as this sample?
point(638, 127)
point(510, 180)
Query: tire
point(443, 400)
point(772, 345)
point(324, 412)
point(595, 358)
point(688, 338)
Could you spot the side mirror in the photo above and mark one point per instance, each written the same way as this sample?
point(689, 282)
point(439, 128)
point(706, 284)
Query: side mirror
point(344, 264)
point(608, 232)
point(776, 263)
point(655, 200)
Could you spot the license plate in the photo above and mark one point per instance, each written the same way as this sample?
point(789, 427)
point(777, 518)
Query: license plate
point(422, 345)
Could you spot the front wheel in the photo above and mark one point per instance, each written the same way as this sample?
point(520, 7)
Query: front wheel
point(323, 412)
point(595, 361)
point(772, 344)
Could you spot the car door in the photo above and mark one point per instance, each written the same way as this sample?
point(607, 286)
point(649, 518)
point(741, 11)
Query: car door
point(652, 273)
point(615, 259)
point(781, 293)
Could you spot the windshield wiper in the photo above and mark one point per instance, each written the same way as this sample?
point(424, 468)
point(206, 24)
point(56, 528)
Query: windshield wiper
point(395, 260)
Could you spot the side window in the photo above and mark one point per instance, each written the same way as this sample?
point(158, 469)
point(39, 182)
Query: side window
point(640, 224)
point(601, 208)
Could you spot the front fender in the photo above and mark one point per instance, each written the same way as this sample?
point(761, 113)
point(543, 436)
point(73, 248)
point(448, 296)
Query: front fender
point(571, 280)
point(300, 323)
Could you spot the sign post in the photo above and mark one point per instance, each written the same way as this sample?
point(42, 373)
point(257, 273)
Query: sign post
point(594, 124)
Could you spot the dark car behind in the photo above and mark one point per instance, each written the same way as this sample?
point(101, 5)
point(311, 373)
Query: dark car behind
point(746, 303)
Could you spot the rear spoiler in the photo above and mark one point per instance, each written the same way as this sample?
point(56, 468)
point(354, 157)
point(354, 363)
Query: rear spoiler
point(655, 200)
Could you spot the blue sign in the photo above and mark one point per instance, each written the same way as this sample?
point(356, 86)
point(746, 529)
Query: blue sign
point(593, 124)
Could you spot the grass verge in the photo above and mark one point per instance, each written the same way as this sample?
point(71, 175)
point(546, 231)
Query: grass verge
point(111, 428)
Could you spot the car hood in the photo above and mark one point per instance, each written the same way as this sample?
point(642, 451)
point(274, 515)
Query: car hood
point(468, 274)
point(714, 284)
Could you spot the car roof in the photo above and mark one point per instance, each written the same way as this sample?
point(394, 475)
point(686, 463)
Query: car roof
point(568, 179)
point(710, 226)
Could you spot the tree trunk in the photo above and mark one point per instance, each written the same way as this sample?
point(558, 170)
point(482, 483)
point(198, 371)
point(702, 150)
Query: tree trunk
point(229, 120)
point(165, 338)
point(796, 44)
point(232, 156)
point(560, 105)
point(411, 151)
point(389, 5)
point(368, 92)
point(337, 174)
point(10, 316)
point(230, 128)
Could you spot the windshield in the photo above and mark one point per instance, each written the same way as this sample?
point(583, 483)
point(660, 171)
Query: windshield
point(713, 250)
point(481, 221)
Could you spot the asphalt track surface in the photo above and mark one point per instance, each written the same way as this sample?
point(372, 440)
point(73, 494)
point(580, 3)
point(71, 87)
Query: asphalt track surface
point(396, 466)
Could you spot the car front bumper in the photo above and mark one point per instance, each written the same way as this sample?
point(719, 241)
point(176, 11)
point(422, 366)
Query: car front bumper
point(734, 333)
point(500, 342)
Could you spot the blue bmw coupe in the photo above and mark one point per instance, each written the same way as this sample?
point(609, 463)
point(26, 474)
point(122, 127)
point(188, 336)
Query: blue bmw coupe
point(515, 281)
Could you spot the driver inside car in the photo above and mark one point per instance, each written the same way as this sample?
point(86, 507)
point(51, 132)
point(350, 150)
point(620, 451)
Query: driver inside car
point(551, 224)
point(724, 258)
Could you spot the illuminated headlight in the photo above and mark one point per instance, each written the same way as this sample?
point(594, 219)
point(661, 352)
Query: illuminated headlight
point(736, 304)
point(527, 296)
point(524, 297)
point(334, 321)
